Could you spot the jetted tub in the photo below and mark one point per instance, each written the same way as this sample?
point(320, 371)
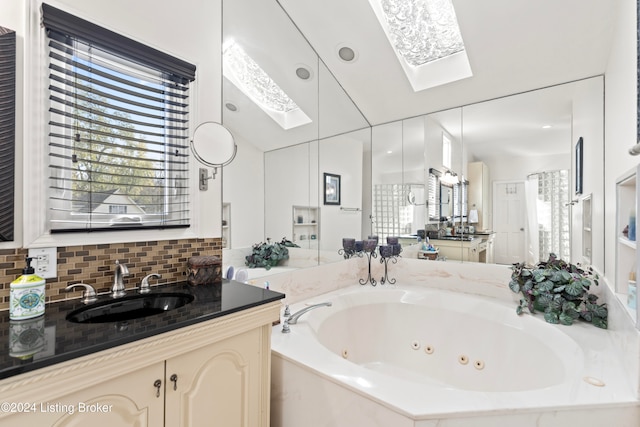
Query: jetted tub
point(412, 355)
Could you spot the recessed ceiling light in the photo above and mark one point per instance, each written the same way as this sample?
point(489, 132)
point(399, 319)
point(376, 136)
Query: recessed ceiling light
point(303, 73)
point(347, 54)
point(546, 127)
point(231, 107)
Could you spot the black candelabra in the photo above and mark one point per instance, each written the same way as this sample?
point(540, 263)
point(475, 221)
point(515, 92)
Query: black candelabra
point(389, 252)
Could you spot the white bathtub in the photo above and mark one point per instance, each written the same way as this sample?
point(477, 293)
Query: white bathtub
point(416, 356)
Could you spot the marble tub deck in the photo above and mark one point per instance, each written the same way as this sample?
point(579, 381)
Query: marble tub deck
point(476, 279)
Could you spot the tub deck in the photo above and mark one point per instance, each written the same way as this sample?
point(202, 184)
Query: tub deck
point(592, 387)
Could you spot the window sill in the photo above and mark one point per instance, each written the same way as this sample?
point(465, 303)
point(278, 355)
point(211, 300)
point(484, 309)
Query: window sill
point(76, 239)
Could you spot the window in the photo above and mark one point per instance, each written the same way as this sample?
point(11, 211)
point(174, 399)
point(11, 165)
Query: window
point(446, 151)
point(426, 38)
point(117, 209)
point(118, 130)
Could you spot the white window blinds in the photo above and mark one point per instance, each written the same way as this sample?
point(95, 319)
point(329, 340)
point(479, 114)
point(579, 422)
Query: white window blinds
point(118, 130)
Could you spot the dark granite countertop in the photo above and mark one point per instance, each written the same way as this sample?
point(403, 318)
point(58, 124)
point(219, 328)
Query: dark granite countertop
point(57, 340)
point(460, 238)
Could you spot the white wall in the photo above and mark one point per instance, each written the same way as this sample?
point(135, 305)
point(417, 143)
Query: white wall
point(620, 121)
point(587, 108)
point(342, 155)
point(287, 182)
point(243, 188)
point(513, 168)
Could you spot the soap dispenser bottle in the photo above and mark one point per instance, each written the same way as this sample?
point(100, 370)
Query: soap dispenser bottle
point(26, 295)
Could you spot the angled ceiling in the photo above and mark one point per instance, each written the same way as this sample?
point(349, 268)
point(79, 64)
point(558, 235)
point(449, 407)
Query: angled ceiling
point(513, 47)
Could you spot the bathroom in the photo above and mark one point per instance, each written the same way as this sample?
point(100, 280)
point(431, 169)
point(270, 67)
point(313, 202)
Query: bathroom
point(254, 211)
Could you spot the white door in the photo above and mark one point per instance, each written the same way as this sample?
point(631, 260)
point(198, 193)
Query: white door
point(509, 216)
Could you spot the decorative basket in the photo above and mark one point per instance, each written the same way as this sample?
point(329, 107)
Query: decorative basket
point(202, 270)
point(432, 255)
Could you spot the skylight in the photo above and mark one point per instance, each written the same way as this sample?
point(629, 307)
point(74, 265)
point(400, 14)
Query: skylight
point(256, 84)
point(426, 39)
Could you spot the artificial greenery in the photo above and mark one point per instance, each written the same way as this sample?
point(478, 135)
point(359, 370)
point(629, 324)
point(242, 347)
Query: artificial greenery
point(267, 254)
point(560, 290)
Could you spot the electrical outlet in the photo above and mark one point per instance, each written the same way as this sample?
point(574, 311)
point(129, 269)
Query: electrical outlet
point(44, 262)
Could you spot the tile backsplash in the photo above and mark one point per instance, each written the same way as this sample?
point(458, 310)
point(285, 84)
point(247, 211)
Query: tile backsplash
point(94, 264)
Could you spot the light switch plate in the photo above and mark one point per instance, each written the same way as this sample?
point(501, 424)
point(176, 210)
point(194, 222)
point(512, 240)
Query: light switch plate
point(44, 262)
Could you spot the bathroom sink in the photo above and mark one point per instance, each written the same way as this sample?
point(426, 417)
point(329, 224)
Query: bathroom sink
point(129, 307)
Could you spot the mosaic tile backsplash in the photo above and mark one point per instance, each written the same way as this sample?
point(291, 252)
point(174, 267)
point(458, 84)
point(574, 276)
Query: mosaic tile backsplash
point(93, 264)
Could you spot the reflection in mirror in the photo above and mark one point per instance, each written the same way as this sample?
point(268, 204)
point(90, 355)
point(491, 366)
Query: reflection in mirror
point(518, 155)
point(443, 144)
point(389, 196)
point(344, 155)
point(446, 201)
point(7, 131)
point(413, 176)
point(291, 194)
point(288, 155)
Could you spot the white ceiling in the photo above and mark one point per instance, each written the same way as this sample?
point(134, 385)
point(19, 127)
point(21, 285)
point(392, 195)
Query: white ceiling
point(513, 46)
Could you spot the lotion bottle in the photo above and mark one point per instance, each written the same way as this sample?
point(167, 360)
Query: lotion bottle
point(26, 295)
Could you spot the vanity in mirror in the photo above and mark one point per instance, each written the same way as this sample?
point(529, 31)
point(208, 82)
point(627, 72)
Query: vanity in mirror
point(489, 182)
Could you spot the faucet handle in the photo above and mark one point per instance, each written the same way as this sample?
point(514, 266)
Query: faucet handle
point(88, 294)
point(285, 326)
point(144, 286)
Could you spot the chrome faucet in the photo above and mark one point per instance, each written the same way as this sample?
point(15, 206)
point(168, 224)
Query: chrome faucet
point(121, 271)
point(293, 319)
point(144, 286)
point(88, 294)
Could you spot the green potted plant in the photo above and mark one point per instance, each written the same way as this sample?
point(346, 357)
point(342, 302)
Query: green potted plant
point(560, 290)
point(267, 254)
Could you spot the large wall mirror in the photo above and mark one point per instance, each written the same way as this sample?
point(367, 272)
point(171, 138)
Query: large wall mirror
point(293, 123)
point(490, 182)
point(494, 181)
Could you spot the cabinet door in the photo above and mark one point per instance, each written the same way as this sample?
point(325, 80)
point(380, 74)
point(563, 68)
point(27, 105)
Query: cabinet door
point(223, 384)
point(129, 400)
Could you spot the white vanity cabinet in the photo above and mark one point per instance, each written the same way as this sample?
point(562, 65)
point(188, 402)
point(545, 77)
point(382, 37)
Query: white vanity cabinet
point(214, 373)
point(459, 250)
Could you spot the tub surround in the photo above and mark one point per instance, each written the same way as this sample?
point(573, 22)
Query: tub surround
point(66, 341)
point(486, 280)
point(399, 385)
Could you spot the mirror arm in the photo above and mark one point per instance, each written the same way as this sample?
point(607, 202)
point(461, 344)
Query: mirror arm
point(203, 177)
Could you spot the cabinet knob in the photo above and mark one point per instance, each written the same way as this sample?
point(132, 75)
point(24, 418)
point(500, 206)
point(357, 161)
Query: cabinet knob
point(157, 385)
point(174, 379)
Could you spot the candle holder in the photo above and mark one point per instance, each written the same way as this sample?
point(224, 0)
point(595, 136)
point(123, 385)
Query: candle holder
point(348, 248)
point(386, 254)
point(369, 246)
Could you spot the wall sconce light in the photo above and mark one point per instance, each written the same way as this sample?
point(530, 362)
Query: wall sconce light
point(450, 177)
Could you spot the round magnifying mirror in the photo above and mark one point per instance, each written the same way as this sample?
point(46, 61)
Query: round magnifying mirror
point(213, 144)
point(411, 198)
